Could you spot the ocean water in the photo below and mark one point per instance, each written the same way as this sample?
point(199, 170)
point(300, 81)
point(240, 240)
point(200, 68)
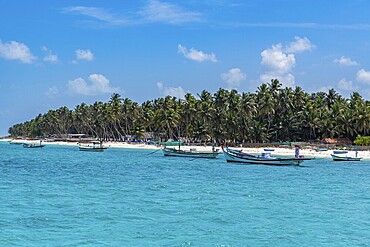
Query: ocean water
point(59, 196)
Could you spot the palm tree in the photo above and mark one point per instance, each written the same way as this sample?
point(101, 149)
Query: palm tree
point(115, 110)
point(272, 113)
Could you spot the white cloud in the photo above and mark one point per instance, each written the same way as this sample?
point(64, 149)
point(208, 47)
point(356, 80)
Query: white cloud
point(324, 89)
point(16, 51)
point(157, 11)
point(299, 45)
point(153, 11)
point(99, 14)
point(363, 76)
point(301, 25)
point(99, 85)
point(286, 79)
point(279, 61)
point(50, 57)
point(276, 60)
point(177, 92)
point(195, 55)
point(233, 77)
point(346, 85)
point(345, 61)
point(84, 55)
point(52, 91)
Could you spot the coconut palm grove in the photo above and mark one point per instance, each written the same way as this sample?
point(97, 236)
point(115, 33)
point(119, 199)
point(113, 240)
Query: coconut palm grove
point(271, 114)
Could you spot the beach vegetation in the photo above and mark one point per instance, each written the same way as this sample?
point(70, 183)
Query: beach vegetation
point(271, 114)
point(362, 140)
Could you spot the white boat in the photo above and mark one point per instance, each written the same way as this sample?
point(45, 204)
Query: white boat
point(94, 146)
point(342, 155)
point(266, 158)
point(33, 145)
point(192, 153)
point(16, 142)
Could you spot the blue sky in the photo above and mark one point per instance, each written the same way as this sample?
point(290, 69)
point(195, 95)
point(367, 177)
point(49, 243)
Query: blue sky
point(63, 53)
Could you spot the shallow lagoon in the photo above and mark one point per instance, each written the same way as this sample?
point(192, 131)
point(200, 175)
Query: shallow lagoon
point(59, 196)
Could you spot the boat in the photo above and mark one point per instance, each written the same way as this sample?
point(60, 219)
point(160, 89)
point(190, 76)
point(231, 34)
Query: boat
point(16, 142)
point(266, 158)
point(191, 153)
point(33, 145)
point(95, 146)
point(342, 155)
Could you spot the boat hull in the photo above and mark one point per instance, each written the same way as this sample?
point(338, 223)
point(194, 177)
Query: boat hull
point(91, 149)
point(15, 143)
point(32, 146)
point(233, 156)
point(345, 158)
point(189, 154)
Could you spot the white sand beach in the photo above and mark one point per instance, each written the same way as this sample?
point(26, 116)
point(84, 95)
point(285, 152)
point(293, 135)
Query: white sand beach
point(277, 151)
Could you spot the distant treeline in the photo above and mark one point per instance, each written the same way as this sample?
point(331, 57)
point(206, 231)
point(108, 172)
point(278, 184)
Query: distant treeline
point(271, 114)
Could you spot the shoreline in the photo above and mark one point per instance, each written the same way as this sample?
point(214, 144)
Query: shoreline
point(277, 151)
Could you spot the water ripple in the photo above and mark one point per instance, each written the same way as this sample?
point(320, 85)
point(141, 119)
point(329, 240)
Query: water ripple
point(58, 196)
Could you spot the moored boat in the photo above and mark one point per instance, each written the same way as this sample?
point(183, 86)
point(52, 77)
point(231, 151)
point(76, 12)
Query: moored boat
point(266, 158)
point(342, 155)
point(16, 142)
point(191, 153)
point(94, 146)
point(33, 145)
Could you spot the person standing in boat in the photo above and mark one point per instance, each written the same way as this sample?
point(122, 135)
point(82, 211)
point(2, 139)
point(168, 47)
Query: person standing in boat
point(296, 153)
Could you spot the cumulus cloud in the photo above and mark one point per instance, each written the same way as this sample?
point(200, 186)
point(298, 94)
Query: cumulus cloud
point(346, 61)
point(157, 11)
point(196, 55)
point(99, 85)
point(279, 61)
point(276, 60)
point(287, 79)
point(16, 51)
point(50, 57)
point(177, 92)
point(299, 45)
point(346, 85)
point(233, 77)
point(363, 76)
point(278, 65)
point(84, 55)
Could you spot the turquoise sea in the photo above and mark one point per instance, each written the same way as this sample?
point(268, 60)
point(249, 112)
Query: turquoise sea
point(59, 196)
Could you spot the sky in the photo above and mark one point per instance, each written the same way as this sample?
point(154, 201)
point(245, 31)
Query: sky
point(63, 53)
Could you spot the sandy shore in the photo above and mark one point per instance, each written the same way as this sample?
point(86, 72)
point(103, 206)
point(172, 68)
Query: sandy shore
point(277, 151)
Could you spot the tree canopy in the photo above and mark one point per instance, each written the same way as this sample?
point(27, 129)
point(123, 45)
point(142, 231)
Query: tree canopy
point(271, 114)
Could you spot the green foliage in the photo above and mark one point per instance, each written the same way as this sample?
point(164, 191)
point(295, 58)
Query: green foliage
point(362, 140)
point(271, 114)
